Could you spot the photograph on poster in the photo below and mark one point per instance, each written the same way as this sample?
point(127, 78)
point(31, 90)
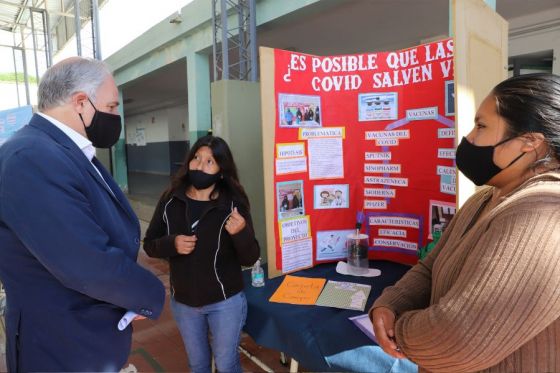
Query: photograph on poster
point(441, 214)
point(449, 97)
point(378, 106)
point(330, 196)
point(290, 201)
point(299, 110)
point(332, 244)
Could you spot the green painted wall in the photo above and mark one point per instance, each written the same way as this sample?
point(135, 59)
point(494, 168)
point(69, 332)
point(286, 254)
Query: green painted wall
point(198, 87)
point(236, 117)
point(118, 153)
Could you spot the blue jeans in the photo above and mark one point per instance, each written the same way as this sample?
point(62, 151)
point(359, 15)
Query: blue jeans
point(225, 320)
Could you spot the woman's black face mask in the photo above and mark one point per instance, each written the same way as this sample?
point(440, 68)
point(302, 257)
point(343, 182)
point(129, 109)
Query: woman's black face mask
point(477, 162)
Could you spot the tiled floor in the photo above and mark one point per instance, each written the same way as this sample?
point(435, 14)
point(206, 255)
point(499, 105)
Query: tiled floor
point(148, 185)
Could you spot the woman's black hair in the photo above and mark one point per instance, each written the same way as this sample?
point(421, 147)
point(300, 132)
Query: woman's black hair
point(228, 185)
point(531, 103)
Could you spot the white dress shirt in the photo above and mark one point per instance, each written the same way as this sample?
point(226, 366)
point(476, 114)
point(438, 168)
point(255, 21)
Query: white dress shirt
point(81, 142)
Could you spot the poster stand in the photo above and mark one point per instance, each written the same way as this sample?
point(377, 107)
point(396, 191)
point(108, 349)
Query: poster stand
point(367, 135)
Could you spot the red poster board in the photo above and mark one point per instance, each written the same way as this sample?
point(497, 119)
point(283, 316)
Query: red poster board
point(369, 134)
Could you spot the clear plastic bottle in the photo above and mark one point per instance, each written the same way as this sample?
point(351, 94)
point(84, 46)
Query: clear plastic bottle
point(257, 274)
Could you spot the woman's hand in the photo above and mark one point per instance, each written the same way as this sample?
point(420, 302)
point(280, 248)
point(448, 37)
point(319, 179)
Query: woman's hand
point(235, 222)
point(383, 320)
point(185, 244)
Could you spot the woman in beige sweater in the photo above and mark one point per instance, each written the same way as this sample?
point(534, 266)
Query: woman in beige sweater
point(488, 296)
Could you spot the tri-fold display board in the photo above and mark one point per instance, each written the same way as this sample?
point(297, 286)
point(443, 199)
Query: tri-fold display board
point(368, 137)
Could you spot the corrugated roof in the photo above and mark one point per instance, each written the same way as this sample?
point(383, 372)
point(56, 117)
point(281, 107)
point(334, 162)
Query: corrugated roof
point(11, 12)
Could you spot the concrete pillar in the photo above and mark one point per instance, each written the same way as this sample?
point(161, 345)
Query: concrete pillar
point(490, 3)
point(198, 87)
point(118, 153)
point(556, 58)
point(236, 117)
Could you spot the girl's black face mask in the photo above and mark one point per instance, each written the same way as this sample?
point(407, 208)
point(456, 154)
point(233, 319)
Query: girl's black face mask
point(201, 180)
point(477, 162)
point(105, 128)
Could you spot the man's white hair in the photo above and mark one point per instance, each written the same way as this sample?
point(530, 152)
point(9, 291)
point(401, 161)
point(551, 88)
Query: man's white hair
point(68, 77)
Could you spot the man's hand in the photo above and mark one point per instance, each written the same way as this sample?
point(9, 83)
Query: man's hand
point(185, 244)
point(383, 320)
point(235, 222)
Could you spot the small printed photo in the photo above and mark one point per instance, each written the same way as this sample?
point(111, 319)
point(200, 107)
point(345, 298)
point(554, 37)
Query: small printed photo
point(441, 214)
point(449, 97)
point(289, 196)
point(299, 110)
point(332, 244)
point(331, 196)
point(378, 106)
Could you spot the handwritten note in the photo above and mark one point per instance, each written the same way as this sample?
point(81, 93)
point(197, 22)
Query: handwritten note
point(298, 290)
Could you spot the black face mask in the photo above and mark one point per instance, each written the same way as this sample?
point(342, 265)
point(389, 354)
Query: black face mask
point(477, 162)
point(201, 180)
point(105, 128)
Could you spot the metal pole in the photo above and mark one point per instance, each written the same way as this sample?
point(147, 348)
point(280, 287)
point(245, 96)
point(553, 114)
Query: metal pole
point(78, 26)
point(25, 75)
point(48, 40)
point(32, 16)
point(95, 25)
point(215, 42)
point(242, 46)
point(16, 72)
point(253, 38)
point(225, 53)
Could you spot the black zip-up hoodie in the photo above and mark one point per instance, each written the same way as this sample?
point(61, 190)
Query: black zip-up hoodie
point(208, 274)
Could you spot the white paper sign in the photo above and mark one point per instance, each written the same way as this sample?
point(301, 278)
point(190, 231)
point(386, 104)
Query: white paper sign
point(375, 204)
point(297, 255)
point(383, 168)
point(325, 158)
point(446, 153)
point(378, 156)
point(394, 181)
point(413, 246)
point(397, 134)
point(379, 192)
point(422, 113)
point(446, 133)
point(291, 165)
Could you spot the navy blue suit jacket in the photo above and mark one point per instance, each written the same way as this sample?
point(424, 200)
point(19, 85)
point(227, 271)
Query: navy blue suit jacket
point(68, 250)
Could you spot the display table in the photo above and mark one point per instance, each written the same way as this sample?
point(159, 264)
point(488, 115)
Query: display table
point(322, 338)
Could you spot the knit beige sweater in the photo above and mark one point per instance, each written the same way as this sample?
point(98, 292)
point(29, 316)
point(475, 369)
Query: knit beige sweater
point(487, 299)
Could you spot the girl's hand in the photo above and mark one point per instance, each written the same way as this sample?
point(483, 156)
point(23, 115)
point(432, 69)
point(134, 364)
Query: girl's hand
point(235, 222)
point(185, 244)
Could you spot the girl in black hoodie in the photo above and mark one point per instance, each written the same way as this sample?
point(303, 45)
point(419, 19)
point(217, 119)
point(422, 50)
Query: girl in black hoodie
point(203, 227)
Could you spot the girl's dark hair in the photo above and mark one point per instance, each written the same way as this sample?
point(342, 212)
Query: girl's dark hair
point(228, 185)
point(531, 103)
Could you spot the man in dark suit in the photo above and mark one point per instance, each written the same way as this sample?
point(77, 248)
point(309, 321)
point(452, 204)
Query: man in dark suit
point(68, 237)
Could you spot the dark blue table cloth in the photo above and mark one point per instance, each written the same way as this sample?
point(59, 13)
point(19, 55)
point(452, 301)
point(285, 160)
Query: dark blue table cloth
point(322, 338)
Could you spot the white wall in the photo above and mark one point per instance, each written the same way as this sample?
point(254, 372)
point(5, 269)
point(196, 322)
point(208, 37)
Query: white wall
point(162, 125)
point(154, 123)
point(178, 119)
point(535, 33)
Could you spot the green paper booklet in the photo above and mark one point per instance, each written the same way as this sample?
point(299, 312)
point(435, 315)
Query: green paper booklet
point(347, 295)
